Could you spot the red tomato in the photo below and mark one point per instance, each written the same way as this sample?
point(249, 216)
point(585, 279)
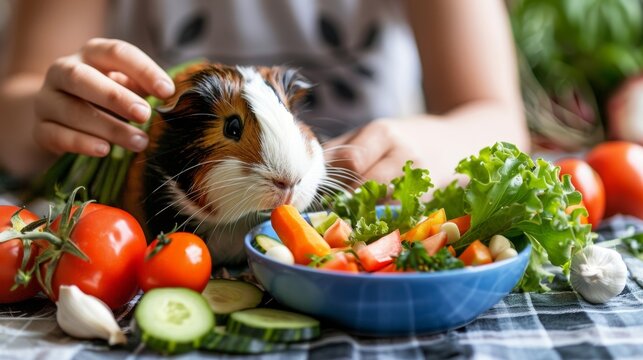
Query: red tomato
point(341, 261)
point(115, 244)
point(11, 253)
point(183, 262)
point(589, 183)
point(338, 234)
point(463, 222)
point(380, 253)
point(620, 166)
point(434, 243)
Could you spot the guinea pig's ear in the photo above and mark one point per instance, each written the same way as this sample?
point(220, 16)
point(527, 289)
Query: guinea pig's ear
point(295, 85)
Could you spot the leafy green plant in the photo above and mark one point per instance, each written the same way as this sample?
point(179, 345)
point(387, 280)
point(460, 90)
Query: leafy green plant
point(574, 53)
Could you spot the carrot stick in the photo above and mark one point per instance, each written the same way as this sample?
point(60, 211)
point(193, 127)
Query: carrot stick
point(298, 236)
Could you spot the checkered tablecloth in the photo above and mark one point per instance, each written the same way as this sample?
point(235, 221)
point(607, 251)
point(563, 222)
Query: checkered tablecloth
point(522, 326)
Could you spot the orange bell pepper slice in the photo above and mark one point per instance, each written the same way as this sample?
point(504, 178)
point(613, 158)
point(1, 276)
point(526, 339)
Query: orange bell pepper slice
point(476, 254)
point(430, 226)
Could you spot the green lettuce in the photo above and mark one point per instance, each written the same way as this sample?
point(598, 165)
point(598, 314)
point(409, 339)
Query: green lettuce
point(510, 194)
point(449, 198)
point(360, 207)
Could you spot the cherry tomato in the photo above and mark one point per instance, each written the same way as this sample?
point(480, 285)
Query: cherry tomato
point(183, 262)
point(115, 244)
point(589, 183)
point(11, 253)
point(620, 166)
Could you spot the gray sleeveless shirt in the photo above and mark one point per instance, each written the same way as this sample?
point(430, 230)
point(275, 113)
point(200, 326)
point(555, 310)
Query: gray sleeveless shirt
point(360, 54)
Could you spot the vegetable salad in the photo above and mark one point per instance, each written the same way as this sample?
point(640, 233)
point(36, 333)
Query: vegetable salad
point(508, 194)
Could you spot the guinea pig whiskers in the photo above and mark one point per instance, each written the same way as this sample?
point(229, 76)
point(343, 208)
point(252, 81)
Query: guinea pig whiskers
point(338, 183)
point(179, 174)
point(344, 174)
point(183, 197)
point(230, 197)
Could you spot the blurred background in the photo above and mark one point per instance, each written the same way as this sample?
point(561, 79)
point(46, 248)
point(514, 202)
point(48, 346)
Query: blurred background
point(580, 64)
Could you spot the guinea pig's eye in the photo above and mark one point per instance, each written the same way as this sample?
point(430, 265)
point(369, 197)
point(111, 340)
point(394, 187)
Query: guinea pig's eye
point(232, 127)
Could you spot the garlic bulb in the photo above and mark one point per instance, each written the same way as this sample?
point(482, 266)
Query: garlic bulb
point(598, 274)
point(86, 317)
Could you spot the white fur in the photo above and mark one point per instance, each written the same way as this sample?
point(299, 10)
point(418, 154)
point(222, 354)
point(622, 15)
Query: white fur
point(234, 193)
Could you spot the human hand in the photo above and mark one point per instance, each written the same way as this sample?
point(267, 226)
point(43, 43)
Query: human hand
point(376, 151)
point(86, 98)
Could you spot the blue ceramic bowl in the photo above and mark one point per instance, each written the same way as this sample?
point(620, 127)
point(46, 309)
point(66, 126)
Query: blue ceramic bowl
point(391, 304)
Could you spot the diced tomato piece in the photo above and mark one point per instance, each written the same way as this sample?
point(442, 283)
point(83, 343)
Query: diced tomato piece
point(476, 254)
point(390, 268)
point(451, 250)
point(426, 228)
point(380, 253)
point(338, 233)
point(341, 261)
point(434, 243)
point(463, 222)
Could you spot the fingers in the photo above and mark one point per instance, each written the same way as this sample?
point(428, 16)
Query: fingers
point(386, 169)
point(125, 81)
point(360, 150)
point(73, 113)
point(85, 82)
point(59, 139)
point(116, 55)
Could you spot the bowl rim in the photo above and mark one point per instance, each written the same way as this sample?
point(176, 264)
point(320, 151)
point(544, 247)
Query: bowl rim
point(526, 252)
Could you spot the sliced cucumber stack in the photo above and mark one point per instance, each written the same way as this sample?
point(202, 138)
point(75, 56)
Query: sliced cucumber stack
point(322, 220)
point(220, 341)
point(228, 296)
point(173, 320)
point(263, 243)
point(273, 325)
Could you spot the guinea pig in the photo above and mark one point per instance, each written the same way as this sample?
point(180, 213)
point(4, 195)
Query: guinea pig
point(227, 145)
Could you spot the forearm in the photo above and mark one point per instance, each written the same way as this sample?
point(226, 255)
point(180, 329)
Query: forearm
point(439, 142)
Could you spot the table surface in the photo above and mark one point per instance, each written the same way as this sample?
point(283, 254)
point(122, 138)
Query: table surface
point(553, 325)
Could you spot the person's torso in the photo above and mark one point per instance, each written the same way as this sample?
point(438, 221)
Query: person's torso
point(360, 54)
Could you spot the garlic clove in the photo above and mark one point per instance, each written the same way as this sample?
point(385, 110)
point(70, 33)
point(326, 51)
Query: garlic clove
point(452, 231)
point(498, 244)
point(86, 317)
point(508, 253)
point(598, 274)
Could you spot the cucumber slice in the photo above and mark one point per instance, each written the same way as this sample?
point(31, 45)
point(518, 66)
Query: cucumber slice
point(227, 296)
point(173, 320)
point(263, 243)
point(321, 221)
point(220, 341)
point(273, 325)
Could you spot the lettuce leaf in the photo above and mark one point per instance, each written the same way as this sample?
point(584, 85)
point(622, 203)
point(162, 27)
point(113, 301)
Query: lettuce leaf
point(510, 194)
point(408, 189)
point(360, 207)
point(449, 198)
